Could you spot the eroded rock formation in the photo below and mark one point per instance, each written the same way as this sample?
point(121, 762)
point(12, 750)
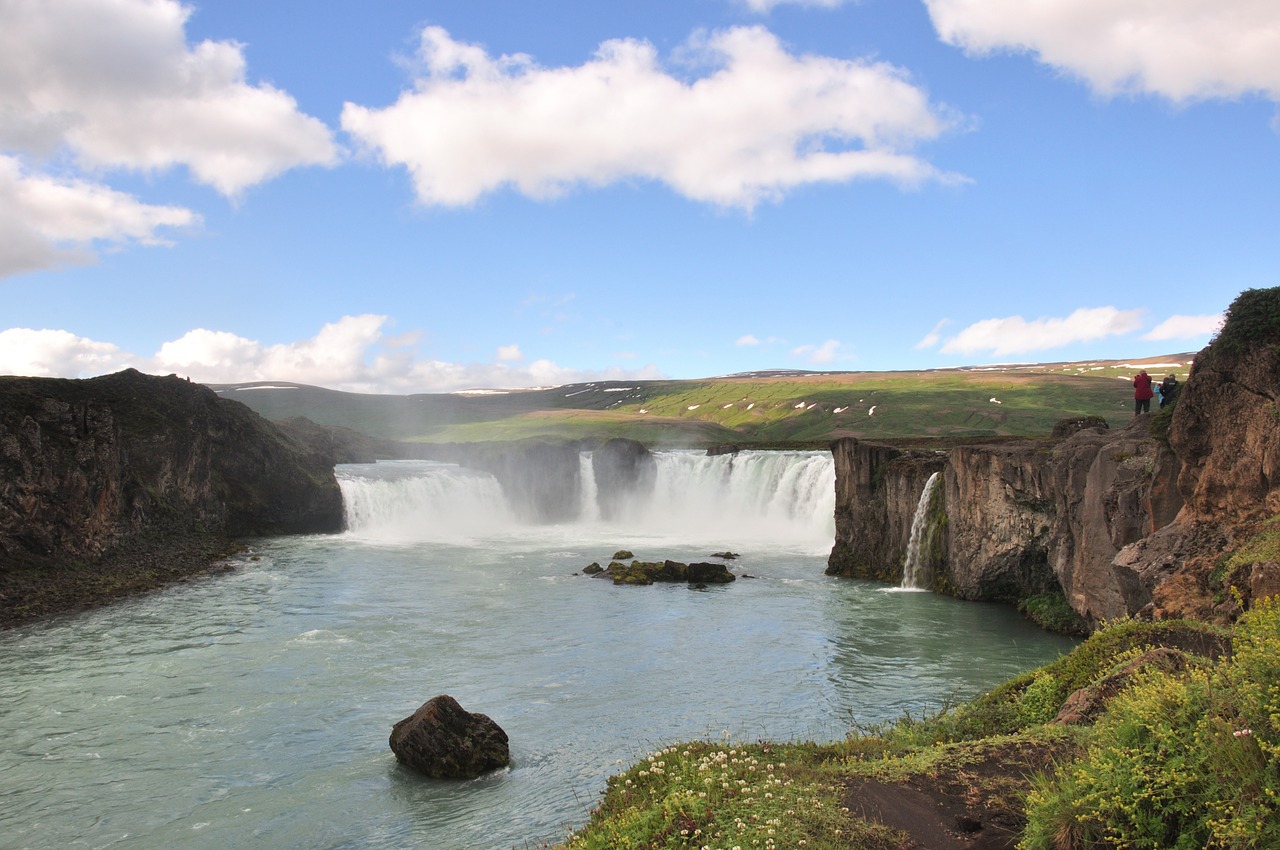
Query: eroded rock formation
point(1120, 521)
point(1013, 519)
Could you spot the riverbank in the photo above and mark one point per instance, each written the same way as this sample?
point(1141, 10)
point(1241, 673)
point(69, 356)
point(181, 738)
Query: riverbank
point(37, 590)
point(1075, 753)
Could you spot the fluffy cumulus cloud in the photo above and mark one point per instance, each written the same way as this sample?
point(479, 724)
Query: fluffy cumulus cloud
point(57, 354)
point(1186, 327)
point(97, 85)
point(758, 122)
point(1015, 335)
point(354, 353)
point(1179, 49)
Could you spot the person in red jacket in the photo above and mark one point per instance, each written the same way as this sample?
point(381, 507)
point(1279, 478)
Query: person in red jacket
point(1142, 393)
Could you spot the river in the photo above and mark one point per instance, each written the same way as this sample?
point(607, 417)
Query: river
point(252, 709)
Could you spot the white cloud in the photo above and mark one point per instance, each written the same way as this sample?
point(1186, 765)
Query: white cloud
point(1016, 335)
point(46, 222)
point(88, 86)
point(1186, 327)
point(1180, 49)
point(509, 353)
point(352, 354)
point(828, 352)
point(58, 354)
point(760, 122)
point(115, 83)
point(747, 339)
point(932, 337)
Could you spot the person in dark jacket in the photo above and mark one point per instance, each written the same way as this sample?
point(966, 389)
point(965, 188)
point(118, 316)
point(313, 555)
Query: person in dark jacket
point(1142, 393)
point(1169, 389)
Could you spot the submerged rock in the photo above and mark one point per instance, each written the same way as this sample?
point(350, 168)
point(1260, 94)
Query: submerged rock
point(445, 741)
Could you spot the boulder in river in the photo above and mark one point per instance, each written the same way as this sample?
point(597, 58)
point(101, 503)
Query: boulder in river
point(445, 741)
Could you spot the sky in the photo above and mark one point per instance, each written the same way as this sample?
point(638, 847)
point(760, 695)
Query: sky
point(407, 197)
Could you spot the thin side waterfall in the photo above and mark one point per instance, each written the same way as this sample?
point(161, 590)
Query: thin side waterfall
point(589, 508)
point(913, 571)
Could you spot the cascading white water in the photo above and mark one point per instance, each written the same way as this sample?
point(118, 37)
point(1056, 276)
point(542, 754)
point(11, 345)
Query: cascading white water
point(785, 498)
point(913, 571)
point(589, 508)
point(752, 496)
point(412, 501)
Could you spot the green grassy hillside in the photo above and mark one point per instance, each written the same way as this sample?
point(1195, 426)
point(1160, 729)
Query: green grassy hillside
point(763, 408)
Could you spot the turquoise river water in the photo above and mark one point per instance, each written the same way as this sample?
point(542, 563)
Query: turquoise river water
point(252, 709)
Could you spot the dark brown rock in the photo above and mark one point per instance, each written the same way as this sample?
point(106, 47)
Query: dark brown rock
point(444, 741)
point(707, 573)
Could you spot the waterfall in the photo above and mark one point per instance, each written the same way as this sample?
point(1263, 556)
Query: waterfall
point(728, 501)
point(589, 509)
point(749, 496)
point(409, 501)
point(913, 571)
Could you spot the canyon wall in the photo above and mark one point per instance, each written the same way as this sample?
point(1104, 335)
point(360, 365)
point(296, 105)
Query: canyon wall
point(1171, 515)
point(134, 466)
point(1012, 519)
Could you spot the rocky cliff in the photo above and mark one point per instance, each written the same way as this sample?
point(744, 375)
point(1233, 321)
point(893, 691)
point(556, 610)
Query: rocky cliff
point(99, 472)
point(1120, 521)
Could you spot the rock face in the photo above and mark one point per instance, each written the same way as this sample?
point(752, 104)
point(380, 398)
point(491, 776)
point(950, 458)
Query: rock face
point(624, 470)
point(1013, 519)
point(1117, 519)
point(877, 490)
point(540, 479)
point(444, 741)
point(92, 468)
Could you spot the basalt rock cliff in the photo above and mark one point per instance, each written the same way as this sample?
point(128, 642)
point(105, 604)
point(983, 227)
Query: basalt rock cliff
point(104, 479)
point(1174, 514)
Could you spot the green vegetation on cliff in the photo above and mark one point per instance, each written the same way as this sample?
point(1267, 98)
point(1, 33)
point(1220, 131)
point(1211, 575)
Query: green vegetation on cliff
point(1147, 735)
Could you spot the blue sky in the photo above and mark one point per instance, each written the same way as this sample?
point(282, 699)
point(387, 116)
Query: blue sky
point(428, 196)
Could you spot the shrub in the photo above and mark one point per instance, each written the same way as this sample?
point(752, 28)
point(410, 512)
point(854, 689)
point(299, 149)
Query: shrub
point(1252, 319)
point(1178, 761)
point(1052, 611)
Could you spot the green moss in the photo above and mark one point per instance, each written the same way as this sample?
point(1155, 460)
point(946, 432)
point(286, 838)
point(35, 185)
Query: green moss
point(1051, 611)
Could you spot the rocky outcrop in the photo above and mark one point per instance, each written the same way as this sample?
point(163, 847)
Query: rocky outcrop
point(131, 465)
point(445, 741)
point(1013, 519)
point(649, 572)
point(877, 490)
point(1120, 521)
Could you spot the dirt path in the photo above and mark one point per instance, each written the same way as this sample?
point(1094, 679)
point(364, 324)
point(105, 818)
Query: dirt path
point(973, 803)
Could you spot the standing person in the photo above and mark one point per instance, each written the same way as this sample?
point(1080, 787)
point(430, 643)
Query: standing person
point(1168, 389)
point(1142, 393)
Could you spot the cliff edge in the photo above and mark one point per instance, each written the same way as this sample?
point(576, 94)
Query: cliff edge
point(114, 484)
point(1177, 514)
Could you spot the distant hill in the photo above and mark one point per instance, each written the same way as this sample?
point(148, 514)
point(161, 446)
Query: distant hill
point(768, 407)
